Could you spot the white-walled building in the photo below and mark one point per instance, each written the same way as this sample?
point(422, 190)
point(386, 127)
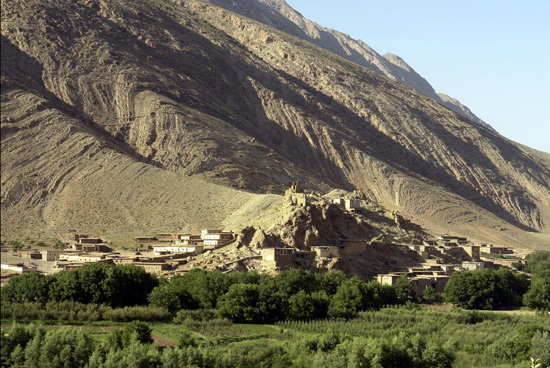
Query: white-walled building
point(169, 249)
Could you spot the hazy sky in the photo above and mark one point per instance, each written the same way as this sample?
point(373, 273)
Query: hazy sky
point(493, 56)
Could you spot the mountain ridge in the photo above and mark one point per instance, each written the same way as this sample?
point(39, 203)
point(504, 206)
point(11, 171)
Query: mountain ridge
point(281, 15)
point(129, 118)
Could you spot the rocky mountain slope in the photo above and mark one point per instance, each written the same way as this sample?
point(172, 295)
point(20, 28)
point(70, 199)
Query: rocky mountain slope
point(125, 118)
point(278, 14)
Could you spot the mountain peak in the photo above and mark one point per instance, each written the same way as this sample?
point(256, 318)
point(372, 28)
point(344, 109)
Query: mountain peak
point(280, 15)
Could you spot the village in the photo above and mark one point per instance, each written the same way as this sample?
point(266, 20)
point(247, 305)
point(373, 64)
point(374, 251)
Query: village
point(168, 254)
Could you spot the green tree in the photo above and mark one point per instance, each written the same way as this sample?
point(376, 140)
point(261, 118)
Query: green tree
point(164, 297)
point(349, 299)
point(404, 288)
point(65, 347)
point(273, 303)
point(292, 281)
point(241, 303)
point(485, 289)
point(206, 288)
point(380, 295)
point(90, 278)
point(174, 295)
point(66, 286)
point(308, 306)
point(431, 295)
point(127, 285)
point(537, 261)
point(18, 337)
point(330, 281)
point(28, 287)
point(538, 295)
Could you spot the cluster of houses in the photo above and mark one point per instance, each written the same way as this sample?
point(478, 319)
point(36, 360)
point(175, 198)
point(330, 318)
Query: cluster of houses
point(446, 255)
point(169, 252)
point(440, 257)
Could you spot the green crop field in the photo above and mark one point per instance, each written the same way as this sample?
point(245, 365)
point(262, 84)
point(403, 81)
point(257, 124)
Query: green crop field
point(416, 337)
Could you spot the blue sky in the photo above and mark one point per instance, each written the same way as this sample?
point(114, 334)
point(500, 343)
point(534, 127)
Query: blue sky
point(493, 56)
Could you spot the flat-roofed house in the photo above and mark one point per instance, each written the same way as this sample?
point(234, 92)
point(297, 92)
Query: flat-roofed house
point(31, 254)
point(52, 255)
point(165, 237)
point(300, 256)
point(83, 258)
point(17, 267)
point(191, 237)
point(353, 246)
point(438, 283)
point(210, 231)
point(326, 251)
point(153, 267)
point(89, 240)
point(145, 240)
point(473, 251)
point(353, 205)
point(339, 201)
point(472, 266)
point(388, 279)
point(171, 249)
point(507, 262)
point(276, 257)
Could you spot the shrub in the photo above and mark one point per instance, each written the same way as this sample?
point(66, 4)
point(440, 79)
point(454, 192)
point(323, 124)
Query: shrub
point(137, 330)
point(139, 313)
point(540, 348)
point(195, 315)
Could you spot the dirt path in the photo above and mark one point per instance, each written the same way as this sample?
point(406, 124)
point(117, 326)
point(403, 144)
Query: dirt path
point(507, 311)
point(161, 341)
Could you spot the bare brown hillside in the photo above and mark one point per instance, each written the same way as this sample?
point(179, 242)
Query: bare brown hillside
point(121, 118)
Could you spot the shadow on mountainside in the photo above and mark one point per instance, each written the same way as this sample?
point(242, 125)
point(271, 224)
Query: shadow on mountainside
point(220, 86)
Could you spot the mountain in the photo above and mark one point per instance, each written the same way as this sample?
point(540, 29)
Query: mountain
point(127, 118)
point(278, 14)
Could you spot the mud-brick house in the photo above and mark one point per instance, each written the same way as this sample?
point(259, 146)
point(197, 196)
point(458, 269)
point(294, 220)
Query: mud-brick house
point(507, 262)
point(490, 249)
point(145, 240)
point(300, 257)
point(52, 255)
point(154, 267)
point(438, 283)
point(473, 266)
point(277, 257)
point(348, 247)
point(326, 251)
point(165, 238)
point(473, 251)
point(388, 278)
point(31, 254)
point(352, 205)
